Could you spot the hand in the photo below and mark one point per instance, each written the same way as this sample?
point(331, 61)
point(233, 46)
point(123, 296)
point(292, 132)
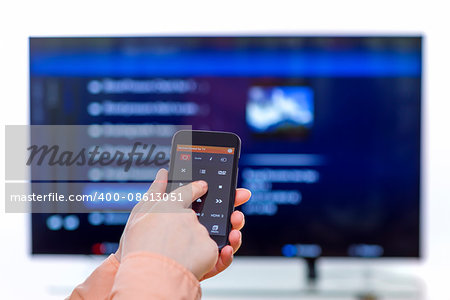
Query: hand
point(225, 257)
point(235, 237)
point(171, 229)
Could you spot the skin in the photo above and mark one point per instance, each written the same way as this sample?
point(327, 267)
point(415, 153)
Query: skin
point(172, 229)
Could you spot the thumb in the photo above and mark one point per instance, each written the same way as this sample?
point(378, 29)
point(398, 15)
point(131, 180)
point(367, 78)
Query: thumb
point(191, 192)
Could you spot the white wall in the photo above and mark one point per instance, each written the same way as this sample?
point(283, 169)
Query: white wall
point(23, 277)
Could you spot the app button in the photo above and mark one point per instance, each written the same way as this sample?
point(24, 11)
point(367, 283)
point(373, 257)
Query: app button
point(184, 156)
point(202, 171)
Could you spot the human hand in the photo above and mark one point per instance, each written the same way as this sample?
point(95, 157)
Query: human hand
point(143, 209)
point(237, 222)
point(171, 229)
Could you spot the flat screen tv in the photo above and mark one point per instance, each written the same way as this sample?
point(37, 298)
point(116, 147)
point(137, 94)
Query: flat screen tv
point(330, 129)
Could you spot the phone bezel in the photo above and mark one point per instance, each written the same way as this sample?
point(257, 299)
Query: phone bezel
point(212, 138)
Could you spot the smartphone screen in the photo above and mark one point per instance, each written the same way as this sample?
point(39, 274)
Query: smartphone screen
point(211, 158)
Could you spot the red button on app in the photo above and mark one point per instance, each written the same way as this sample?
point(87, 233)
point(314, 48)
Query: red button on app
point(184, 156)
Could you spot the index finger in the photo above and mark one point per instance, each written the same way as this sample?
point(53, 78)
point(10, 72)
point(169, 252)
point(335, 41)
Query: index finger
point(158, 186)
point(242, 196)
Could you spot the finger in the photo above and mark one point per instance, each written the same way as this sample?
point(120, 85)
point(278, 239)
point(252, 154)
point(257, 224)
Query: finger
point(237, 220)
point(235, 239)
point(225, 258)
point(191, 192)
point(242, 196)
point(224, 261)
point(159, 185)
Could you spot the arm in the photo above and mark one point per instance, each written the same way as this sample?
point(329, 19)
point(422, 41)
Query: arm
point(164, 279)
point(163, 253)
point(144, 275)
point(98, 285)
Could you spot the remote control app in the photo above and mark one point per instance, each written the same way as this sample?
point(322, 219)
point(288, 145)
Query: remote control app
point(213, 165)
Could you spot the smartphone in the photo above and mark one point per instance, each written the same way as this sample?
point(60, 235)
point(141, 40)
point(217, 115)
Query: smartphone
point(211, 156)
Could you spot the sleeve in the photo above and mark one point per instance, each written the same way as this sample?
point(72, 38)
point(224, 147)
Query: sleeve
point(145, 275)
point(98, 285)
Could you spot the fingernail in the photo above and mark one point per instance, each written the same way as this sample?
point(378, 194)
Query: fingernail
point(203, 184)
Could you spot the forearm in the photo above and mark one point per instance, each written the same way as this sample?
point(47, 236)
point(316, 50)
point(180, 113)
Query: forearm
point(144, 275)
point(99, 284)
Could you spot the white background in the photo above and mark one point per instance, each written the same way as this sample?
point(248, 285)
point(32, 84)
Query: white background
point(24, 277)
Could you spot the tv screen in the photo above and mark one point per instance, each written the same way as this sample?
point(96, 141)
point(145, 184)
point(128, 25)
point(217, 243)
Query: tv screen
point(330, 129)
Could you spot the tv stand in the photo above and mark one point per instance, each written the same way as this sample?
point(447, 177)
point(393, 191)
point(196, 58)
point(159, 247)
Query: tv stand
point(311, 271)
point(366, 284)
point(314, 278)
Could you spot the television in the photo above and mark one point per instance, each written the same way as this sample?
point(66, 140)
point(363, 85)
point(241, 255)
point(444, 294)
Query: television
point(330, 129)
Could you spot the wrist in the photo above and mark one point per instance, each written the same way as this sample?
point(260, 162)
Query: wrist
point(162, 260)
